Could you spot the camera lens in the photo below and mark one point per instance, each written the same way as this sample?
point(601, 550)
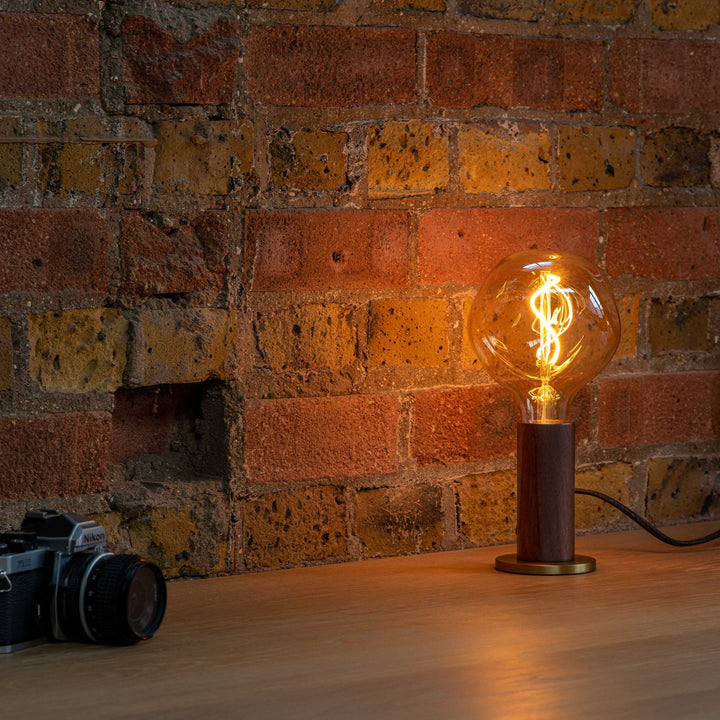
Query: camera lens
point(112, 599)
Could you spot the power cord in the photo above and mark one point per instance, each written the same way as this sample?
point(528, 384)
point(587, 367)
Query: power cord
point(644, 524)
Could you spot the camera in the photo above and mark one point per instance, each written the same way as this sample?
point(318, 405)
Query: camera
point(59, 581)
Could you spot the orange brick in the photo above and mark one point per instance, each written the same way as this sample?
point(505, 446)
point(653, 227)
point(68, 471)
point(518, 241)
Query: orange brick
point(629, 309)
point(408, 332)
point(596, 158)
point(406, 158)
point(495, 159)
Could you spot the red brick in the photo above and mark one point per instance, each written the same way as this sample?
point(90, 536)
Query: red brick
point(547, 73)
point(321, 249)
point(330, 66)
point(48, 56)
point(145, 421)
point(53, 250)
point(663, 76)
point(160, 69)
point(650, 409)
point(660, 243)
point(302, 439)
point(179, 261)
point(464, 245)
point(53, 455)
point(464, 424)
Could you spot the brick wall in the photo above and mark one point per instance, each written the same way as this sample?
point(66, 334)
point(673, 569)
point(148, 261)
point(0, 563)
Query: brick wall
point(239, 242)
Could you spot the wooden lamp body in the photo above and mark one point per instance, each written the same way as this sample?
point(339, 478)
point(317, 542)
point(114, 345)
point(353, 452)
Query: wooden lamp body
point(546, 503)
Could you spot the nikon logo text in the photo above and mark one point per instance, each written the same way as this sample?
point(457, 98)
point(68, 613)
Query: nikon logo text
point(92, 536)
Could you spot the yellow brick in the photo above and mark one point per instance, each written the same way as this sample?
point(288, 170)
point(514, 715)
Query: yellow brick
point(395, 521)
point(78, 350)
point(470, 359)
point(613, 12)
point(680, 489)
point(206, 157)
point(309, 160)
point(307, 337)
point(132, 177)
point(408, 332)
point(6, 354)
point(292, 527)
point(596, 158)
point(684, 14)
point(420, 5)
point(171, 538)
point(493, 159)
point(488, 508)
point(78, 165)
point(629, 309)
point(307, 5)
point(613, 480)
point(406, 158)
point(10, 154)
point(182, 346)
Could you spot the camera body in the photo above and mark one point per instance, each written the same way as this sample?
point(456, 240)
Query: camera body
point(59, 581)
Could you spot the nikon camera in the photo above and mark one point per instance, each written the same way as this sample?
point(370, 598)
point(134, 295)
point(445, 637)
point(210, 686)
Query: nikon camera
point(58, 581)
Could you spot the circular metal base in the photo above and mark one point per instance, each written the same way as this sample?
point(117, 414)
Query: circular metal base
point(579, 564)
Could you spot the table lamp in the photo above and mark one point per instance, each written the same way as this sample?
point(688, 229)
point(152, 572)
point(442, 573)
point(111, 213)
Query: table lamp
point(543, 325)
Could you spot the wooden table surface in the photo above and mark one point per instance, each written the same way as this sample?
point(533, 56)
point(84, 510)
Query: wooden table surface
point(441, 636)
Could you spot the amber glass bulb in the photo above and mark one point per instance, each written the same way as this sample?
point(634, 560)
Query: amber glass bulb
point(544, 324)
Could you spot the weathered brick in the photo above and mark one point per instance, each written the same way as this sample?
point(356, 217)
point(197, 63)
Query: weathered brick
point(487, 506)
point(613, 480)
point(308, 438)
point(295, 527)
point(684, 15)
point(6, 355)
point(330, 66)
point(308, 160)
point(617, 12)
point(183, 541)
point(146, 420)
point(596, 158)
point(322, 249)
point(157, 261)
point(407, 158)
point(664, 243)
point(629, 309)
point(408, 332)
point(676, 156)
point(158, 68)
point(75, 167)
point(513, 157)
point(307, 5)
point(53, 455)
point(463, 424)
point(651, 409)
point(49, 56)
point(78, 350)
point(46, 251)
point(399, 520)
point(420, 5)
point(171, 345)
point(548, 73)
point(681, 489)
point(679, 325)
point(661, 76)
point(205, 156)
point(527, 10)
point(464, 245)
point(11, 155)
point(307, 337)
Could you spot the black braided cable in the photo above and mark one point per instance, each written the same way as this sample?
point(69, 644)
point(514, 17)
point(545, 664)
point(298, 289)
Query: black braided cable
point(644, 524)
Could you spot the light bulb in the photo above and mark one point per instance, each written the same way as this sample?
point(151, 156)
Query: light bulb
point(544, 324)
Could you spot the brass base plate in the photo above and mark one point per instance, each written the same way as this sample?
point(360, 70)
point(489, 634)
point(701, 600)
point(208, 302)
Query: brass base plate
point(579, 564)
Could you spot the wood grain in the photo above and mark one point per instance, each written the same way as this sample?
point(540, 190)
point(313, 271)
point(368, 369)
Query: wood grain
point(432, 636)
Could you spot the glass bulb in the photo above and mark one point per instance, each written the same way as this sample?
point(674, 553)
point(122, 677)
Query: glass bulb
point(544, 324)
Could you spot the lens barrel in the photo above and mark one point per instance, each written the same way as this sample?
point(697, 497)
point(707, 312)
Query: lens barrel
point(110, 599)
